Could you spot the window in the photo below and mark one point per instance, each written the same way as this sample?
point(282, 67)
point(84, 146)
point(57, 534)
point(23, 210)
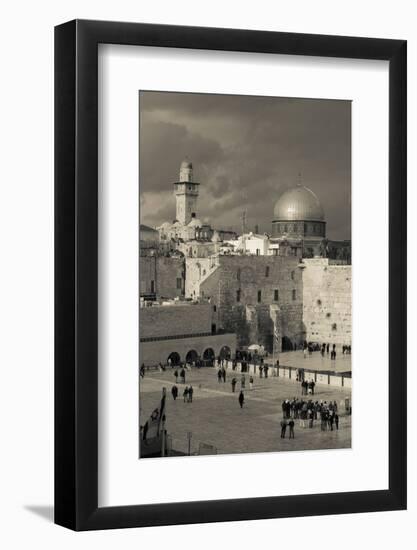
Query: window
point(292, 275)
point(153, 287)
point(259, 296)
point(258, 251)
point(294, 294)
point(237, 295)
point(179, 283)
point(214, 308)
point(267, 271)
point(276, 295)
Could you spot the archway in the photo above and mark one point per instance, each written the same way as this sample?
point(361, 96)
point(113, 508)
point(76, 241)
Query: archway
point(286, 344)
point(225, 353)
point(174, 358)
point(208, 356)
point(191, 356)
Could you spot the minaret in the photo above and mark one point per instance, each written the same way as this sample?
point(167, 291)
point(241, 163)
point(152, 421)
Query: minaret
point(186, 193)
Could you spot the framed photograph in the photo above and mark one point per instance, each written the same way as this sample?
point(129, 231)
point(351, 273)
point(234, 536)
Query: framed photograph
point(230, 337)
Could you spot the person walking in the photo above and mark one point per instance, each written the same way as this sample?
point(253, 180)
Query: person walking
point(224, 374)
point(185, 394)
point(241, 399)
point(174, 391)
point(219, 376)
point(243, 382)
point(182, 374)
point(190, 394)
point(251, 382)
point(291, 427)
point(261, 370)
point(336, 421)
point(234, 382)
point(266, 371)
point(284, 424)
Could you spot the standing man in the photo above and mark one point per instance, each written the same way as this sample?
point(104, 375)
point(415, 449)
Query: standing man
point(234, 382)
point(174, 391)
point(291, 426)
point(241, 398)
point(251, 382)
point(283, 428)
point(190, 394)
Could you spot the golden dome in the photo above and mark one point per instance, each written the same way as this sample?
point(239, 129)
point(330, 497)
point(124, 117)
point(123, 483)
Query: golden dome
point(298, 204)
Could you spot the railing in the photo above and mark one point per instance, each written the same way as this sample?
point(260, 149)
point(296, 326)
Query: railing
point(183, 336)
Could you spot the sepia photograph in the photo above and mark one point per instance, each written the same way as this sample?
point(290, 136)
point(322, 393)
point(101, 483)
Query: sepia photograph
point(245, 325)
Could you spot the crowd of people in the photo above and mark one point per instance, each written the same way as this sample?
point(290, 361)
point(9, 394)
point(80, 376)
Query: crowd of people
point(307, 412)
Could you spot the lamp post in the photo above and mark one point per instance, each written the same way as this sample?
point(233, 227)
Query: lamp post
point(189, 436)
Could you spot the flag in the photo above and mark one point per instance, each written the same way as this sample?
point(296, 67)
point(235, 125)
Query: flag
point(162, 409)
point(276, 333)
point(152, 427)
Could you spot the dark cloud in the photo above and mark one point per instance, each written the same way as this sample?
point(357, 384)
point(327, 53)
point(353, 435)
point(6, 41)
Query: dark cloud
point(245, 151)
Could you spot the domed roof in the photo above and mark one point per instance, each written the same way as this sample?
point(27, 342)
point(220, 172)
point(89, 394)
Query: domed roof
point(195, 222)
point(186, 164)
point(298, 204)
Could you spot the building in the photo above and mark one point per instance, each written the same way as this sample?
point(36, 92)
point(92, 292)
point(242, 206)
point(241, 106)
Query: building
point(276, 301)
point(182, 332)
point(161, 277)
point(299, 217)
point(252, 296)
point(148, 239)
point(187, 226)
point(223, 291)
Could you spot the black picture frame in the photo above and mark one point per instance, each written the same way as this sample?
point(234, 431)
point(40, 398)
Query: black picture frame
point(76, 272)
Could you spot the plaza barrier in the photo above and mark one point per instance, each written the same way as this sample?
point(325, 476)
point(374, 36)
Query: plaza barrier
point(325, 378)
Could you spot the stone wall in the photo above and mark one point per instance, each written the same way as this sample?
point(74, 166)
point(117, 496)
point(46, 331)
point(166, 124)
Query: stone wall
point(165, 273)
point(196, 270)
point(327, 297)
point(162, 321)
point(234, 286)
point(152, 353)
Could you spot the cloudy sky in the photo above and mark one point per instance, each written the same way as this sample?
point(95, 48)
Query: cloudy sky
point(245, 152)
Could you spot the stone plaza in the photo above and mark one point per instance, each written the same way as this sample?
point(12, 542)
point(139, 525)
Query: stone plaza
point(215, 420)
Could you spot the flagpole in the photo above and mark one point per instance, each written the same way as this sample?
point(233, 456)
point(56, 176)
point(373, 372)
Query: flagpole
point(163, 437)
